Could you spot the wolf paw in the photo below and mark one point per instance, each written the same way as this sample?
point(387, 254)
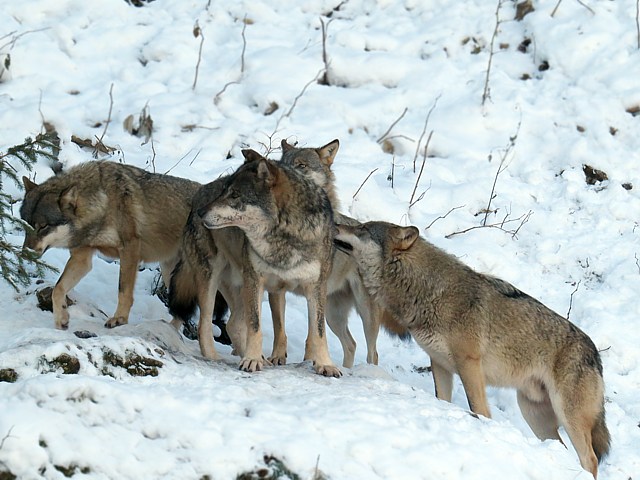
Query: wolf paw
point(62, 321)
point(328, 370)
point(278, 359)
point(251, 364)
point(115, 322)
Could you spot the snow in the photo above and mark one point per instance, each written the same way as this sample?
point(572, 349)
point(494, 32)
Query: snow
point(578, 250)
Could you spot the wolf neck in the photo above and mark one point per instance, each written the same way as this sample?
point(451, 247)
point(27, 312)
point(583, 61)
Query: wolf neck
point(411, 285)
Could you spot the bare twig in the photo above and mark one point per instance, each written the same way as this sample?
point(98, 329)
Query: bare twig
point(555, 9)
point(486, 91)
point(153, 158)
point(268, 149)
point(424, 130)
point(295, 100)
point(316, 473)
point(15, 38)
point(365, 181)
point(441, 217)
point(324, 79)
point(106, 124)
point(571, 299)
point(181, 159)
point(216, 98)
point(637, 262)
point(638, 22)
point(424, 161)
point(197, 32)
point(586, 6)
point(4, 439)
point(384, 135)
point(499, 225)
point(501, 168)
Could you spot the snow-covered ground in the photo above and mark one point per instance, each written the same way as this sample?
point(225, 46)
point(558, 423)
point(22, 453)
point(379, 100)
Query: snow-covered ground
point(561, 89)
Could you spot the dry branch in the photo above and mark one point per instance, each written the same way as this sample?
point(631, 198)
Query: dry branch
point(524, 218)
point(638, 22)
point(295, 100)
point(216, 98)
point(424, 161)
point(424, 130)
point(324, 79)
point(441, 217)
point(197, 32)
point(365, 181)
point(397, 120)
point(501, 168)
point(100, 146)
point(571, 299)
point(486, 91)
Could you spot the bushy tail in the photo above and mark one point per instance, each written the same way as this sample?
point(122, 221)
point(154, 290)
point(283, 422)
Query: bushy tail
point(600, 438)
point(183, 292)
point(393, 328)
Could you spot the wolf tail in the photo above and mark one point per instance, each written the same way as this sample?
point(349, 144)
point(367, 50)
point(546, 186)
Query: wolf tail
point(183, 292)
point(393, 328)
point(600, 438)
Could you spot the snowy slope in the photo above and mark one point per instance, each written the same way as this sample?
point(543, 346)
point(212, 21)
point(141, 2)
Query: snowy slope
point(560, 91)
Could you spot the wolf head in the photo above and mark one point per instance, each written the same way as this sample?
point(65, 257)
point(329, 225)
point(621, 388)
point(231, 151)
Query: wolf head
point(315, 164)
point(246, 200)
point(48, 212)
point(374, 245)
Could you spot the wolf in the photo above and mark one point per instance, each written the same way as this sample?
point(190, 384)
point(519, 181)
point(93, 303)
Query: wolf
point(488, 332)
point(288, 229)
point(118, 210)
point(211, 259)
point(345, 289)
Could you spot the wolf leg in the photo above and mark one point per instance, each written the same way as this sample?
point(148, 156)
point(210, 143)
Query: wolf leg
point(443, 381)
point(252, 290)
point(208, 281)
point(277, 305)
point(129, 260)
point(578, 403)
point(370, 314)
point(537, 410)
point(338, 307)
point(317, 338)
point(78, 265)
point(468, 364)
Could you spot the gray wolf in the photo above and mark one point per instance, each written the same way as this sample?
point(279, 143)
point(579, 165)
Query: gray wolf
point(488, 332)
point(345, 289)
point(288, 229)
point(118, 210)
point(209, 261)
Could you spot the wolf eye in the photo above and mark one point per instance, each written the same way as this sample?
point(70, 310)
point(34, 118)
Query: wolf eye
point(41, 228)
point(301, 166)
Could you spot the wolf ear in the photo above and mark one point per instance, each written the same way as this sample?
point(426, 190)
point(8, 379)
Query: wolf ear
point(68, 200)
point(28, 184)
point(251, 155)
point(403, 237)
point(328, 152)
point(285, 146)
point(267, 172)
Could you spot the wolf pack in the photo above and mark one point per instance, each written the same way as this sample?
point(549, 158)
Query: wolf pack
point(275, 226)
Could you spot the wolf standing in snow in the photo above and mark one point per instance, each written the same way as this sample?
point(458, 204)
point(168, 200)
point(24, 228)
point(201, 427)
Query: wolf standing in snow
point(488, 332)
point(288, 223)
point(118, 210)
point(345, 289)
